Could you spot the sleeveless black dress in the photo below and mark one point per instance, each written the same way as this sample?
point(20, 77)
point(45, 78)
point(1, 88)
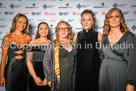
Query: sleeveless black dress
point(16, 70)
point(88, 61)
point(37, 61)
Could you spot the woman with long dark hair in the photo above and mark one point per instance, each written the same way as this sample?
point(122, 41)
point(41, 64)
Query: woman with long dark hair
point(35, 54)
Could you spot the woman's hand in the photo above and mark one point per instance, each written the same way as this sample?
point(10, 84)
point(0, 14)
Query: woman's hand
point(44, 82)
point(129, 87)
point(38, 81)
point(2, 82)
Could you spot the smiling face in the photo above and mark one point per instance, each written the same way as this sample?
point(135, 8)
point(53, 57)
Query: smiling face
point(21, 23)
point(115, 19)
point(43, 30)
point(63, 30)
point(87, 21)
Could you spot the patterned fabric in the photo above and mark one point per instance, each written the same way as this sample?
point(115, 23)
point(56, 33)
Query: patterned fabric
point(49, 67)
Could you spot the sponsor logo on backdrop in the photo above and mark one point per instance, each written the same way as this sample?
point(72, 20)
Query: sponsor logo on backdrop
point(63, 13)
point(36, 13)
point(7, 33)
point(10, 19)
point(1, 6)
point(32, 0)
point(99, 27)
point(66, 6)
point(125, 12)
point(101, 6)
point(25, 13)
point(75, 13)
point(12, 6)
point(30, 20)
point(82, 6)
point(74, 0)
point(103, 13)
point(47, 13)
point(41, 20)
point(3, 26)
point(133, 27)
point(1, 33)
point(79, 28)
point(48, 6)
point(8, 12)
point(2, 19)
point(130, 20)
point(115, 5)
point(71, 20)
point(52, 20)
point(135, 12)
point(133, 5)
point(33, 6)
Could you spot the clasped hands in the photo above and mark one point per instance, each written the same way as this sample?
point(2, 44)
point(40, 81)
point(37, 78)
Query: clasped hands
point(39, 82)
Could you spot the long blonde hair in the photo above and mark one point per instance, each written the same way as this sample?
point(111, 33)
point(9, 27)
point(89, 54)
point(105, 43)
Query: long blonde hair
point(106, 27)
point(13, 27)
point(69, 29)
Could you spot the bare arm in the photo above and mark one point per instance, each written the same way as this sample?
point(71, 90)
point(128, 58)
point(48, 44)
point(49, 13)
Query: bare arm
point(99, 37)
point(75, 37)
point(5, 45)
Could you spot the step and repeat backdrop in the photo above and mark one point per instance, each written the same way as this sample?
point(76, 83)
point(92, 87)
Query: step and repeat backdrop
point(53, 11)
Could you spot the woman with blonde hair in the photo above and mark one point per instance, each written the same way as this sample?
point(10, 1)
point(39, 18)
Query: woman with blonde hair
point(118, 68)
point(59, 60)
point(14, 75)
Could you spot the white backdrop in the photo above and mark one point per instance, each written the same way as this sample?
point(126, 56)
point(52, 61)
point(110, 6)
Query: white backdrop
point(52, 11)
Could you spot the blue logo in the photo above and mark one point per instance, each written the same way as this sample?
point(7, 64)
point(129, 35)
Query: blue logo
point(14, 6)
point(63, 13)
point(125, 12)
point(115, 5)
point(36, 13)
point(30, 20)
point(41, 20)
point(3, 26)
point(133, 27)
point(33, 6)
point(101, 6)
point(67, 6)
point(2, 19)
point(133, 5)
point(9, 13)
point(0, 32)
point(48, 6)
point(1, 6)
point(71, 20)
point(83, 6)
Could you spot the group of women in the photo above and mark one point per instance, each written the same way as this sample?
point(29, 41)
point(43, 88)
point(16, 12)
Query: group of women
point(91, 61)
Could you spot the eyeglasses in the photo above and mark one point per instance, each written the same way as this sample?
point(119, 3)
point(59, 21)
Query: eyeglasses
point(63, 29)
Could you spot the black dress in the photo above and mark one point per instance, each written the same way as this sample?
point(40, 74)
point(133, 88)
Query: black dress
point(37, 61)
point(67, 69)
point(16, 69)
point(118, 66)
point(88, 61)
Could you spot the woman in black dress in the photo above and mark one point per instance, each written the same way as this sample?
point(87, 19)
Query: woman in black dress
point(35, 54)
point(88, 58)
point(59, 60)
point(14, 75)
point(118, 68)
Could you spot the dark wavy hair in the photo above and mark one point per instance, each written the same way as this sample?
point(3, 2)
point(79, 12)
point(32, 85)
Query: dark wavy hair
point(37, 34)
